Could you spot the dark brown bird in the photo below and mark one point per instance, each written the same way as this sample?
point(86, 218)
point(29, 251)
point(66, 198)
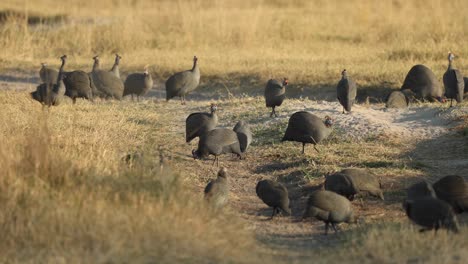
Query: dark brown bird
point(453, 82)
point(397, 99)
point(77, 83)
point(181, 83)
point(346, 91)
point(217, 191)
point(275, 94)
point(431, 213)
point(107, 83)
point(329, 207)
point(424, 84)
point(244, 135)
point(454, 190)
point(138, 84)
point(216, 142)
point(420, 190)
point(274, 194)
point(115, 67)
point(306, 127)
point(198, 124)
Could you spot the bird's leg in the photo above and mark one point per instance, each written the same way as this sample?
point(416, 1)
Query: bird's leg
point(315, 147)
point(343, 110)
point(272, 111)
point(74, 100)
point(303, 147)
point(334, 227)
point(451, 101)
point(273, 214)
point(214, 161)
point(217, 161)
point(326, 227)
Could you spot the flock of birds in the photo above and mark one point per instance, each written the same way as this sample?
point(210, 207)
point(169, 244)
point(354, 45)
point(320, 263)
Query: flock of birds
point(431, 206)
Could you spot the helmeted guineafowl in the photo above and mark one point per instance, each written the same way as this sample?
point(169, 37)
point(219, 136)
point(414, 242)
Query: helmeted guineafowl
point(431, 213)
point(138, 84)
point(217, 191)
point(306, 127)
point(216, 142)
point(77, 83)
point(115, 67)
point(364, 182)
point(243, 134)
point(274, 194)
point(420, 190)
point(198, 124)
point(275, 94)
point(453, 82)
point(341, 184)
point(329, 207)
point(47, 74)
point(346, 91)
point(454, 190)
point(181, 83)
point(424, 84)
point(108, 85)
point(397, 99)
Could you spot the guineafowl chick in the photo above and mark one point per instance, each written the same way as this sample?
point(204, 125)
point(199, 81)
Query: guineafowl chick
point(198, 124)
point(431, 213)
point(274, 194)
point(329, 207)
point(454, 190)
point(453, 82)
point(346, 91)
point(138, 84)
point(216, 142)
point(306, 127)
point(397, 99)
point(424, 84)
point(275, 94)
point(217, 191)
point(244, 135)
point(181, 83)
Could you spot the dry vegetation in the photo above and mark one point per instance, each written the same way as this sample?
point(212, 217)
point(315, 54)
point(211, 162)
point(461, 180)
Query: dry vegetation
point(68, 195)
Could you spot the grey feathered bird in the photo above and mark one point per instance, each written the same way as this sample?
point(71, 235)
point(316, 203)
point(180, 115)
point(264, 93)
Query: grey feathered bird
point(346, 91)
point(453, 82)
point(420, 190)
point(424, 84)
point(364, 182)
point(217, 191)
point(397, 99)
point(341, 184)
point(47, 74)
point(454, 190)
point(431, 213)
point(275, 94)
point(138, 84)
point(244, 135)
point(198, 124)
point(115, 67)
point(216, 142)
point(329, 207)
point(108, 85)
point(306, 127)
point(274, 194)
point(181, 83)
point(77, 83)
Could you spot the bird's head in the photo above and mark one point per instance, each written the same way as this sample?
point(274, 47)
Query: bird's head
point(195, 154)
point(96, 58)
point(195, 59)
point(451, 56)
point(328, 121)
point(213, 107)
point(222, 172)
point(64, 57)
point(43, 64)
point(285, 81)
point(344, 73)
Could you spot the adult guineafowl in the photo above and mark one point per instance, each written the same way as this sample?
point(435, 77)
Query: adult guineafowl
point(217, 191)
point(115, 67)
point(181, 83)
point(216, 142)
point(244, 134)
point(422, 81)
point(397, 99)
point(329, 207)
point(138, 84)
point(108, 85)
point(431, 213)
point(454, 190)
point(275, 94)
point(77, 83)
point(346, 91)
point(341, 184)
point(420, 190)
point(47, 74)
point(364, 182)
point(274, 194)
point(453, 82)
point(306, 127)
point(198, 124)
